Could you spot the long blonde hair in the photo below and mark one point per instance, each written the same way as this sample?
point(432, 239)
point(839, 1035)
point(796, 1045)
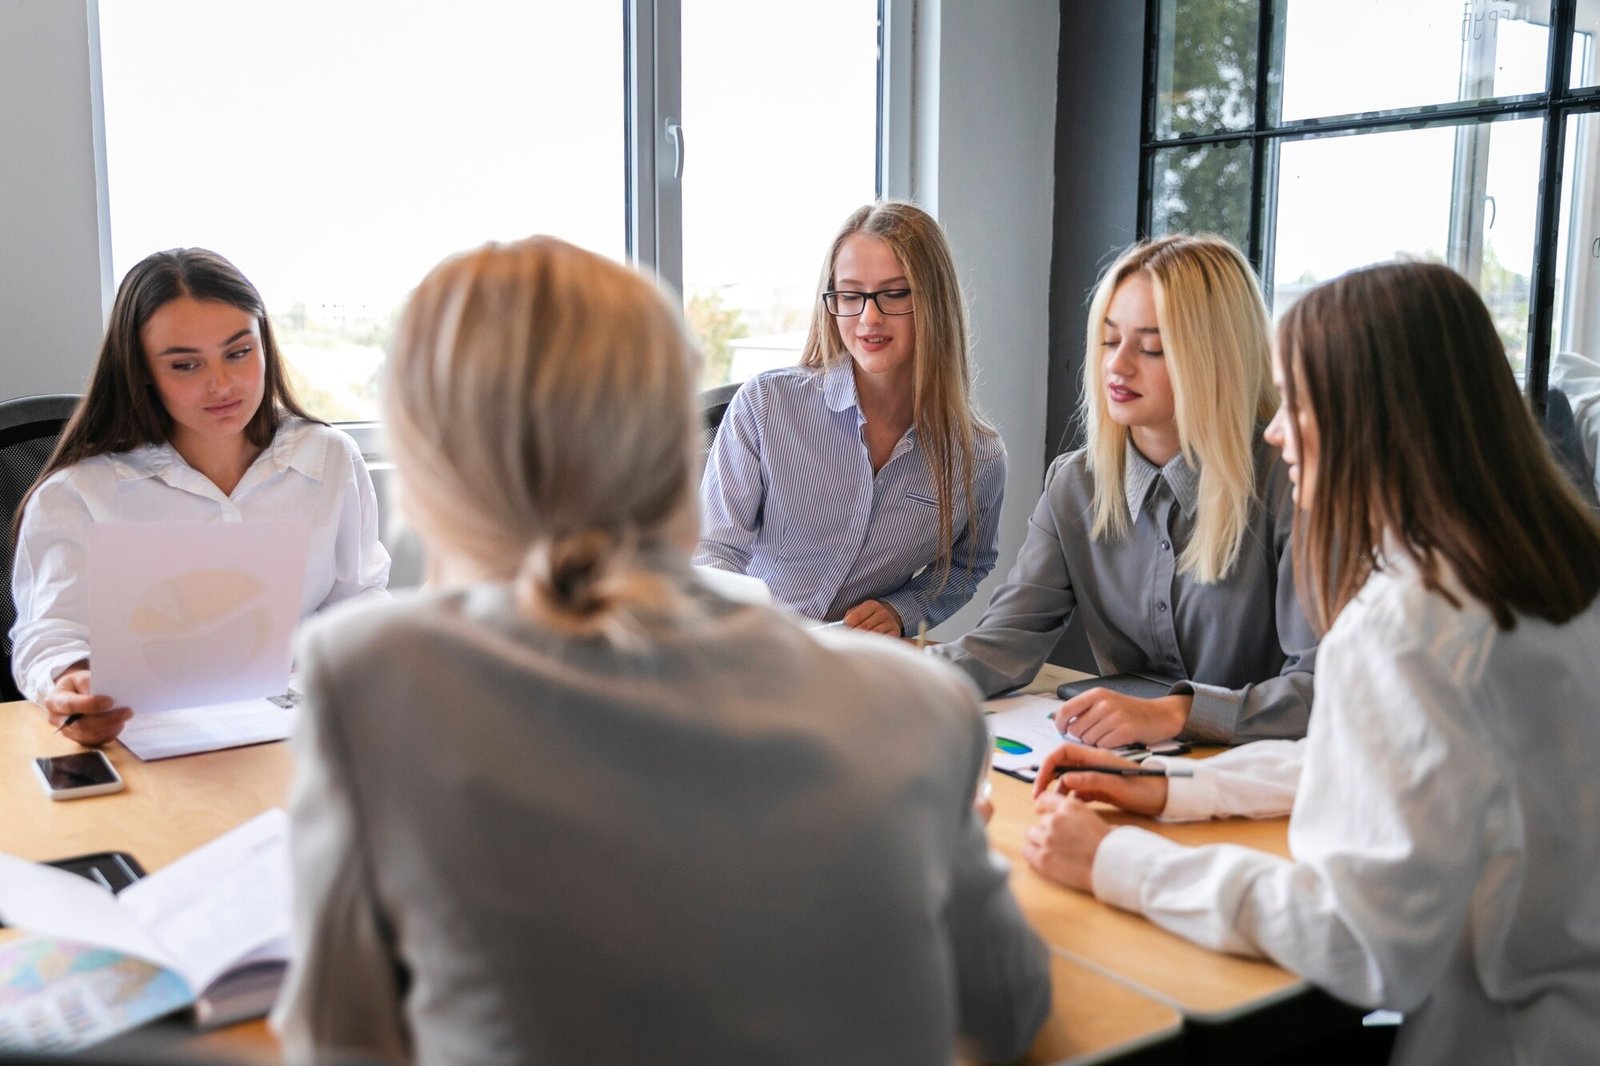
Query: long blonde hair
point(1213, 325)
point(539, 401)
point(947, 421)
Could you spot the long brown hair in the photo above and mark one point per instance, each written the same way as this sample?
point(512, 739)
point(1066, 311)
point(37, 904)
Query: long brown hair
point(1424, 439)
point(122, 409)
point(1214, 332)
point(947, 421)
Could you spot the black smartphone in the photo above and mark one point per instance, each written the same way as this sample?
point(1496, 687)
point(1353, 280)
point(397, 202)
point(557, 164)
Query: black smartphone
point(86, 773)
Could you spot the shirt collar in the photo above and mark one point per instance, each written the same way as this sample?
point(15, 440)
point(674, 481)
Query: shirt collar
point(1139, 476)
point(294, 446)
point(839, 386)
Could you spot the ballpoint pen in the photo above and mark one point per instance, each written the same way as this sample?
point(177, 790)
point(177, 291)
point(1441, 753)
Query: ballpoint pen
point(69, 720)
point(1128, 771)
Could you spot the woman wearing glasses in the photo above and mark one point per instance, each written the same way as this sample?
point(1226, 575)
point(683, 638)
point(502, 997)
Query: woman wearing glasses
point(1168, 533)
point(861, 485)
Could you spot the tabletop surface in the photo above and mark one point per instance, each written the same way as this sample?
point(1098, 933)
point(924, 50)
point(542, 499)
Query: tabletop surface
point(1120, 982)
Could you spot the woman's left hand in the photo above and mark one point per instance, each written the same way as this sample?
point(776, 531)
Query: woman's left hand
point(1061, 845)
point(874, 616)
point(1110, 719)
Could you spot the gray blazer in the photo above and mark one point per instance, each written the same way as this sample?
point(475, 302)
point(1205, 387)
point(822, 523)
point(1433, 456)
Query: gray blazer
point(737, 842)
point(1241, 646)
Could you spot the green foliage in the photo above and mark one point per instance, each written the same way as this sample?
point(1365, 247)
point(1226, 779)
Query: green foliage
point(714, 324)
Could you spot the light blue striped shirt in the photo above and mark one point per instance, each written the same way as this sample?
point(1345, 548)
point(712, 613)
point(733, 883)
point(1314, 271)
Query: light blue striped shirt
point(789, 496)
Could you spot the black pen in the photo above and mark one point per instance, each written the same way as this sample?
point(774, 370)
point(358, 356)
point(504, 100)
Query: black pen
point(1128, 771)
point(70, 719)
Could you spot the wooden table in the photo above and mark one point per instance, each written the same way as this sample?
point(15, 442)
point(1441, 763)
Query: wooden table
point(1235, 1009)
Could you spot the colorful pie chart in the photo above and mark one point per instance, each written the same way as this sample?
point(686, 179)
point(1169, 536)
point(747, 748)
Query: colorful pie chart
point(1010, 747)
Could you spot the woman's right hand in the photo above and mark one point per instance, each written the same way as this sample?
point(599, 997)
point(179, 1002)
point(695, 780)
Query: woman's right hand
point(99, 718)
point(1141, 795)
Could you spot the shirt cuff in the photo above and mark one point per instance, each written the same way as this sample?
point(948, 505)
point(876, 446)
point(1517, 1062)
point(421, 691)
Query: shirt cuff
point(1122, 865)
point(44, 671)
point(906, 606)
point(1214, 714)
point(1189, 799)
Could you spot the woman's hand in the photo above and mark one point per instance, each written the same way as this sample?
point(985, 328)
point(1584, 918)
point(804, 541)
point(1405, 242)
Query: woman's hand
point(874, 616)
point(1110, 719)
point(1141, 795)
point(99, 719)
point(1061, 845)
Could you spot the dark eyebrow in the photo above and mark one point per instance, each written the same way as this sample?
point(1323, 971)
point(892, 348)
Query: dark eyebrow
point(179, 350)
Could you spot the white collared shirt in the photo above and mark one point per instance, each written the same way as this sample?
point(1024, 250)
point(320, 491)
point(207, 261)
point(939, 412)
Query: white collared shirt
point(1443, 832)
point(310, 472)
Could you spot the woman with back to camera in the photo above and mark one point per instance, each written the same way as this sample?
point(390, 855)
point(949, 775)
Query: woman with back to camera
point(861, 485)
point(189, 417)
point(1169, 531)
point(1441, 838)
point(654, 831)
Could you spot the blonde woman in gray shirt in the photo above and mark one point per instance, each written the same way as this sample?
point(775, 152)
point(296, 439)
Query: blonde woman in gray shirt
point(1169, 532)
point(571, 806)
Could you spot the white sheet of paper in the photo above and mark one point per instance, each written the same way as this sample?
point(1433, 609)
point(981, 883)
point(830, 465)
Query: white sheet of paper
point(191, 730)
point(1023, 731)
point(741, 588)
point(219, 902)
point(187, 614)
point(43, 899)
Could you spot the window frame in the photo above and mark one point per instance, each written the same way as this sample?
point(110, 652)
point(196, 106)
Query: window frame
point(1554, 105)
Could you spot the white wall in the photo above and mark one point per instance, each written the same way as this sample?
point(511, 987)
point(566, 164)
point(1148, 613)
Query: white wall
point(983, 162)
point(51, 224)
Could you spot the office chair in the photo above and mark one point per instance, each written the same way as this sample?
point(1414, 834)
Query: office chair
point(29, 426)
point(1566, 443)
point(713, 405)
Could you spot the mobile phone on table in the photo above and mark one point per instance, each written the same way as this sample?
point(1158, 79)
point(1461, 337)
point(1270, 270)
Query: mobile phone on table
point(86, 773)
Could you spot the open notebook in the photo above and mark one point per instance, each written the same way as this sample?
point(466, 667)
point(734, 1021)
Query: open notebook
point(209, 932)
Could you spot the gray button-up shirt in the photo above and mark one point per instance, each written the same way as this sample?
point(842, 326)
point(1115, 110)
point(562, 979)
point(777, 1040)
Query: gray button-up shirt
point(1241, 646)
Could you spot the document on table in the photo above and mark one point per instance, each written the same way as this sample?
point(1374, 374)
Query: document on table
point(165, 734)
point(192, 625)
point(1023, 730)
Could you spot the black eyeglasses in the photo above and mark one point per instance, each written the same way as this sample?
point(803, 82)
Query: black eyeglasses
point(848, 304)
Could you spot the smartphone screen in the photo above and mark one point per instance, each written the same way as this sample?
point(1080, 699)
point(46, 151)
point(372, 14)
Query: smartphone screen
point(83, 770)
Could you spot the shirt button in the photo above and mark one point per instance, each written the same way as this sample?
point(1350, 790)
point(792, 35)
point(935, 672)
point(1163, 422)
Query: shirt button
point(1162, 606)
point(1165, 546)
point(1172, 658)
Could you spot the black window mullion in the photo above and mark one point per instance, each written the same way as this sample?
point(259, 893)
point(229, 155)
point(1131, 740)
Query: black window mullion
point(1542, 285)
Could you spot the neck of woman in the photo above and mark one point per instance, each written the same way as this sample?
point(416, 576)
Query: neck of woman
point(222, 460)
point(1159, 444)
point(887, 400)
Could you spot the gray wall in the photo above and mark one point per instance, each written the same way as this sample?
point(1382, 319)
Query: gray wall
point(983, 161)
point(52, 280)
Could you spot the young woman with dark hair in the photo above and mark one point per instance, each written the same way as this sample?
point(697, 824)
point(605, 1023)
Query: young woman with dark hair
point(189, 416)
point(1443, 804)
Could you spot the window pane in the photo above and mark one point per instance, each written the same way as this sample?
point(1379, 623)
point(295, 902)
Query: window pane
point(1377, 55)
point(780, 114)
point(1203, 189)
point(1206, 66)
point(1586, 45)
point(355, 144)
point(1577, 311)
point(1464, 195)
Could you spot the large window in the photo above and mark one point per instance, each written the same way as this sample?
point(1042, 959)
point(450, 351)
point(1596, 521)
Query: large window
point(336, 151)
point(1322, 137)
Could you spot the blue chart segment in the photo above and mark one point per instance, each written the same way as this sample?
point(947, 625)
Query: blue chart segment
point(1010, 747)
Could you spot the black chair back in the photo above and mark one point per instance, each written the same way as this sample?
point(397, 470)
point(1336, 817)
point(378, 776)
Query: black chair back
point(29, 426)
point(713, 405)
point(1561, 430)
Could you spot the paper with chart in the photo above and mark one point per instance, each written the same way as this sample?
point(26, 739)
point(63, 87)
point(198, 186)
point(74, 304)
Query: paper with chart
point(1023, 730)
point(189, 614)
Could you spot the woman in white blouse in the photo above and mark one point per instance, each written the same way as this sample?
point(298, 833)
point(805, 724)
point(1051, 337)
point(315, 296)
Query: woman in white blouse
point(1444, 802)
point(189, 417)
